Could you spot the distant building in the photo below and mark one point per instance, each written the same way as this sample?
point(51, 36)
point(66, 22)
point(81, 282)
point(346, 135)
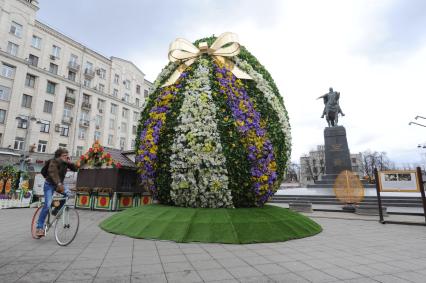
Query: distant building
point(57, 92)
point(312, 165)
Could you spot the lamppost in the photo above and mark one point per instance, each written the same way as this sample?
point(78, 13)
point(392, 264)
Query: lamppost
point(418, 124)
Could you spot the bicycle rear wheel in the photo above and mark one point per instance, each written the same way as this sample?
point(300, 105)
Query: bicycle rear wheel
point(66, 226)
point(34, 222)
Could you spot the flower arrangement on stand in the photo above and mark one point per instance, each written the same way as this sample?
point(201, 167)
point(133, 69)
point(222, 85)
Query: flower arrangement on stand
point(8, 178)
point(97, 157)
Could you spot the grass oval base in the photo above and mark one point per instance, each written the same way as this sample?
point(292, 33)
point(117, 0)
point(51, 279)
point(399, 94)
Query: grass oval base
point(211, 225)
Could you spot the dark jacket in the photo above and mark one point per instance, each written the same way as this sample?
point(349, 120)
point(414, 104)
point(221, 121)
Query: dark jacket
point(57, 170)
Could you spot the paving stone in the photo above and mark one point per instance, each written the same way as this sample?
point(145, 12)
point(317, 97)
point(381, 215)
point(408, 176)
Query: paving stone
point(314, 275)
point(245, 271)
point(387, 278)
point(341, 273)
point(270, 268)
point(177, 266)
point(147, 268)
point(295, 266)
point(287, 277)
point(205, 264)
point(148, 278)
point(214, 274)
point(187, 276)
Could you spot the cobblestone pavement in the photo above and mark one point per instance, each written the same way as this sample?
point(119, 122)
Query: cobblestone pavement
point(347, 250)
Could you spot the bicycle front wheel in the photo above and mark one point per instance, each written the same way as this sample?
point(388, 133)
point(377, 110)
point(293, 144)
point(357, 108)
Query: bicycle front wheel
point(66, 226)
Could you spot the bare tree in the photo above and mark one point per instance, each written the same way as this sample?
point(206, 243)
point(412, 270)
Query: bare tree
point(375, 159)
point(293, 172)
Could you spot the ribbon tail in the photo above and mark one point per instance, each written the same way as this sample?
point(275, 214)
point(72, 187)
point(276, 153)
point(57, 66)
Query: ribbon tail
point(178, 72)
point(231, 66)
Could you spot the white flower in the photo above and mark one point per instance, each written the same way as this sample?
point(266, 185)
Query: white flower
point(197, 161)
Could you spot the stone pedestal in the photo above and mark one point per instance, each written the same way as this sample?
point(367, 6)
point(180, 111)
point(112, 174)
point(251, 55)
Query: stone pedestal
point(337, 156)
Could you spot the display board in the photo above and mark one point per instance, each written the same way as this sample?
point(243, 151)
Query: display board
point(398, 181)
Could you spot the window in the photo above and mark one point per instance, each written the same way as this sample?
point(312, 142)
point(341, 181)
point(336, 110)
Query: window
point(145, 93)
point(115, 92)
point(116, 78)
point(133, 144)
point(126, 97)
point(110, 140)
point(16, 29)
point(44, 126)
point(134, 130)
point(127, 84)
point(36, 42)
point(51, 86)
point(33, 60)
point(122, 143)
point(111, 124)
point(101, 87)
point(67, 111)
point(41, 146)
point(1, 137)
point(71, 76)
point(53, 68)
point(62, 145)
point(124, 127)
point(135, 116)
point(56, 51)
point(26, 100)
point(4, 93)
point(48, 106)
point(101, 105)
point(97, 135)
point(30, 81)
point(12, 48)
point(87, 82)
point(19, 143)
point(82, 133)
point(102, 73)
point(22, 123)
point(138, 89)
point(125, 113)
point(64, 131)
point(2, 116)
point(86, 98)
point(89, 66)
point(114, 108)
point(137, 102)
point(73, 59)
point(7, 71)
point(98, 121)
point(79, 151)
point(85, 116)
point(353, 159)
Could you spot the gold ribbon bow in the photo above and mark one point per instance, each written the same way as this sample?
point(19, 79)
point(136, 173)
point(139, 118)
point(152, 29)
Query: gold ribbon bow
point(183, 51)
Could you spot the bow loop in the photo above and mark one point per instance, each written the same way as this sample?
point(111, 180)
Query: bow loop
point(226, 45)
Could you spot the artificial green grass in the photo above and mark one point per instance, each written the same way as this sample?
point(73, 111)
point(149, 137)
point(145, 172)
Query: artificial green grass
point(211, 225)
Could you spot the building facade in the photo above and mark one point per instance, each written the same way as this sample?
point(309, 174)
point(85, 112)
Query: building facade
point(56, 92)
point(312, 165)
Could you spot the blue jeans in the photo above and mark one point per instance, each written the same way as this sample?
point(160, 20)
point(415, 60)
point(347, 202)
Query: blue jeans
point(48, 189)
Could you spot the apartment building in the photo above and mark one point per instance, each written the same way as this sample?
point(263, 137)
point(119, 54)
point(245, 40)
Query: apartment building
point(55, 91)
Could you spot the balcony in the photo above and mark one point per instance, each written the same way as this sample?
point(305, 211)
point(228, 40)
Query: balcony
point(86, 105)
point(89, 73)
point(73, 66)
point(67, 120)
point(69, 99)
point(84, 123)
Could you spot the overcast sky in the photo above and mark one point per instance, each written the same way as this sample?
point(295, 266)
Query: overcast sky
point(372, 52)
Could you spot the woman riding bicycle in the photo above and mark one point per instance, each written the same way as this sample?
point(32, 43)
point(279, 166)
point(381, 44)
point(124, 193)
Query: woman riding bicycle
point(54, 172)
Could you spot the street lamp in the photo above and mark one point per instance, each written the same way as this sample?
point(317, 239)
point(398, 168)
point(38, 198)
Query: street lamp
point(418, 124)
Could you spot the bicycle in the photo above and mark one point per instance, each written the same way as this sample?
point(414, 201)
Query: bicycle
point(66, 221)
